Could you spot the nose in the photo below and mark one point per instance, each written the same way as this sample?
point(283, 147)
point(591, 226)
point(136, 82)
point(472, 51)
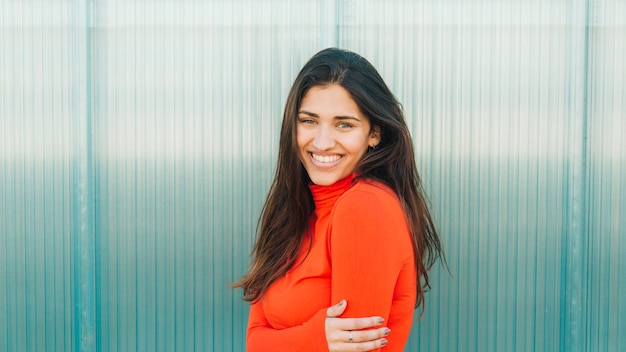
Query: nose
point(323, 139)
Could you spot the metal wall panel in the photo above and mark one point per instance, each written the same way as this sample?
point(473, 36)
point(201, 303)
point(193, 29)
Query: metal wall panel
point(42, 48)
point(187, 102)
point(606, 114)
point(138, 140)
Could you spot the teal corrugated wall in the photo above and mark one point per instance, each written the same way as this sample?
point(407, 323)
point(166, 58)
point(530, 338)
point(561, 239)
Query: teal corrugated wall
point(138, 140)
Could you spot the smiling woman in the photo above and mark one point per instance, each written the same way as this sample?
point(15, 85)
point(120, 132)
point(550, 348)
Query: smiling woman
point(332, 134)
point(345, 220)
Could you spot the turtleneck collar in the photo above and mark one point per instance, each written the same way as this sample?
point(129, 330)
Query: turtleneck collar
point(326, 196)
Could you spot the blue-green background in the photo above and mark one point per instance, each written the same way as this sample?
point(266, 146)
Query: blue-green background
point(138, 141)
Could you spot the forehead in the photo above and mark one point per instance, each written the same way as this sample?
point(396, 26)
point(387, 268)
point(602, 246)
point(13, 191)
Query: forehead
point(331, 99)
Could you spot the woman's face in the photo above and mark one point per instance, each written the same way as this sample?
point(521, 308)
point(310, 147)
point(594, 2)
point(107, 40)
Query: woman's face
point(332, 134)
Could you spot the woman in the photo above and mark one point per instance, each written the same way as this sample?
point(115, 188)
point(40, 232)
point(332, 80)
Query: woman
point(345, 220)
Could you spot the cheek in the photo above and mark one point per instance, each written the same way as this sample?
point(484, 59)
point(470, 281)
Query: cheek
point(358, 145)
point(303, 140)
point(300, 137)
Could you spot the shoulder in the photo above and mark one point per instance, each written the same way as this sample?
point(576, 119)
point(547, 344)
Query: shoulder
point(369, 190)
point(370, 213)
point(369, 197)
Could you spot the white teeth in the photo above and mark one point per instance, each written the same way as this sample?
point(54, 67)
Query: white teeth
point(326, 159)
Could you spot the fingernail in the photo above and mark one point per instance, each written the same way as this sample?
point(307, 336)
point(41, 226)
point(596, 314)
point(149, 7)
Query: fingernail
point(380, 321)
point(343, 301)
point(383, 342)
point(387, 331)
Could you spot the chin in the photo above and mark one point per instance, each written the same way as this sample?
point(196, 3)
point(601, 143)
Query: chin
point(325, 180)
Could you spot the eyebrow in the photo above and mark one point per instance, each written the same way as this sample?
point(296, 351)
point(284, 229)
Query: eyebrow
point(340, 117)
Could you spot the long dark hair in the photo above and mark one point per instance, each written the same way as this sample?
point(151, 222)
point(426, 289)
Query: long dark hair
point(289, 205)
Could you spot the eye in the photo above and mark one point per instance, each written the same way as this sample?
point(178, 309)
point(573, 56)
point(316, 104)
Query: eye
point(306, 121)
point(345, 125)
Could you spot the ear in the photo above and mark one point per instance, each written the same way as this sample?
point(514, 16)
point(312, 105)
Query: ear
point(374, 137)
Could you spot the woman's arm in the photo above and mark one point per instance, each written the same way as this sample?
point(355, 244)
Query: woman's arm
point(353, 334)
point(313, 335)
point(372, 257)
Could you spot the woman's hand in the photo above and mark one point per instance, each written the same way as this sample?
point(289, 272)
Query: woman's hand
point(346, 334)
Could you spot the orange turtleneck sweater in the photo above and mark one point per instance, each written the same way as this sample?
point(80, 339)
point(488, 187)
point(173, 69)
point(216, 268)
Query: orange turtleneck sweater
point(361, 251)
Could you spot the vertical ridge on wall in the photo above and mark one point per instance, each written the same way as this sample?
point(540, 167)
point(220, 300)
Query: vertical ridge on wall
point(82, 183)
point(575, 274)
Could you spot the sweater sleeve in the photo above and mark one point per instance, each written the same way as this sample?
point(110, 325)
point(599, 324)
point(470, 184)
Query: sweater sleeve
point(369, 244)
point(262, 337)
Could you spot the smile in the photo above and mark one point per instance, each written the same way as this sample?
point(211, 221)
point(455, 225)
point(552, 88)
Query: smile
point(326, 159)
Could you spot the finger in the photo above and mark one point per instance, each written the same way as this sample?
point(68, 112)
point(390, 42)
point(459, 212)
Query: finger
point(337, 309)
point(354, 323)
point(369, 335)
point(362, 346)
